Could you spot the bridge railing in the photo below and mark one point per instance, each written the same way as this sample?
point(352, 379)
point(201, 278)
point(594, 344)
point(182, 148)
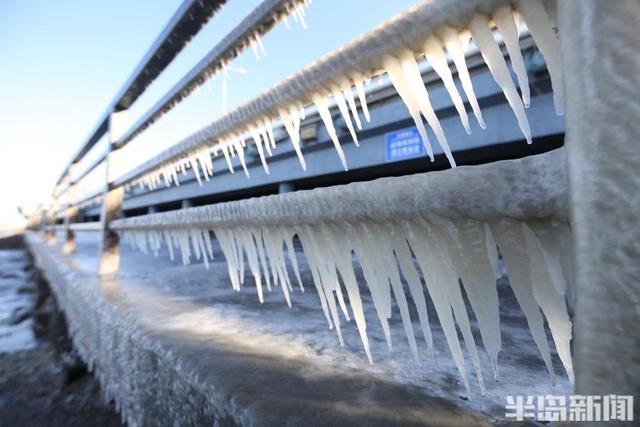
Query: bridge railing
point(187, 21)
point(599, 60)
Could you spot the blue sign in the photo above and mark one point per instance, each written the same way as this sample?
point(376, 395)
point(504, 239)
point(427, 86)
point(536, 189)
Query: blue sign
point(403, 144)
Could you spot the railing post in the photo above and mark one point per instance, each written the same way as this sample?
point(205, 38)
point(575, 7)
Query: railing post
point(71, 216)
point(112, 199)
point(601, 63)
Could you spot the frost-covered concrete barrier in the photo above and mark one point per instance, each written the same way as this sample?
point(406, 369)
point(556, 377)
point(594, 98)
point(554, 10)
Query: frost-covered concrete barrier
point(450, 226)
point(202, 355)
point(122, 355)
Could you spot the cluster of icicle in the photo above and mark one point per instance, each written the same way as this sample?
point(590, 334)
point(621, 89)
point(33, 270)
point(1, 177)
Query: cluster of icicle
point(403, 71)
point(445, 250)
point(294, 9)
point(233, 145)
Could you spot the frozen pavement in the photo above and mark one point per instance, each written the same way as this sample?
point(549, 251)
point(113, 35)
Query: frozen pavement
point(169, 340)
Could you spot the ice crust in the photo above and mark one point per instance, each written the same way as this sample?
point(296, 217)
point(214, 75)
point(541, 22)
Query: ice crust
point(432, 249)
point(284, 105)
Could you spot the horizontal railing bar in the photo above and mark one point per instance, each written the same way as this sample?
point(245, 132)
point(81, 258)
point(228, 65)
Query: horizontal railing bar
point(186, 22)
point(363, 55)
point(92, 166)
point(529, 188)
point(89, 196)
point(260, 20)
point(85, 226)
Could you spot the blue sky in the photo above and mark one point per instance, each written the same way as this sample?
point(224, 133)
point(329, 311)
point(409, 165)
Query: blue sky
point(62, 62)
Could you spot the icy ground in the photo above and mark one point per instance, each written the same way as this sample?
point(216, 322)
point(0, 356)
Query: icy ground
point(16, 300)
point(267, 364)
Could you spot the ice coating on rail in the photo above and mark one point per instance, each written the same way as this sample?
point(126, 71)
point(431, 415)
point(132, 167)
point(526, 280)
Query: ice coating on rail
point(404, 73)
point(450, 253)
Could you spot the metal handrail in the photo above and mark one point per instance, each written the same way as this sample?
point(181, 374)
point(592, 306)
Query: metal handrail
point(259, 21)
point(186, 22)
point(363, 53)
point(536, 185)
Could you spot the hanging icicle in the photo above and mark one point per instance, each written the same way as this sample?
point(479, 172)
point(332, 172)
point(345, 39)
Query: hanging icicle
point(447, 251)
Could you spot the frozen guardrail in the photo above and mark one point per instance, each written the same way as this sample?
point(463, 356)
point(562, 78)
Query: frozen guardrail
point(450, 221)
point(426, 29)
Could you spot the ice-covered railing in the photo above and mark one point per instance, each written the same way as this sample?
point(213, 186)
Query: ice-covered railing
point(597, 37)
point(186, 22)
point(450, 227)
point(246, 34)
point(432, 29)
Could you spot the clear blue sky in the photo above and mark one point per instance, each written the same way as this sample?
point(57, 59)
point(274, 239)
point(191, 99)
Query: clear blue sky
point(62, 62)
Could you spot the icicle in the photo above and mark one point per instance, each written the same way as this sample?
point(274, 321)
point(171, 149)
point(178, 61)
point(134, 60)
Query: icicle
point(341, 249)
point(237, 145)
point(394, 70)
point(224, 147)
point(258, 141)
point(314, 265)
point(511, 241)
point(550, 301)
point(359, 80)
point(438, 292)
point(392, 275)
point(348, 93)
point(541, 30)
point(322, 104)
point(252, 43)
point(285, 19)
point(468, 242)
point(194, 167)
point(342, 106)
point(434, 54)
point(294, 261)
point(443, 251)
point(299, 12)
point(379, 290)
point(552, 238)
point(504, 19)
point(268, 125)
point(293, 129)
point(449, 252)
point(256, 35)
point(412, 73)
point(256, 237)
point(405, 260)
point(490, 51)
